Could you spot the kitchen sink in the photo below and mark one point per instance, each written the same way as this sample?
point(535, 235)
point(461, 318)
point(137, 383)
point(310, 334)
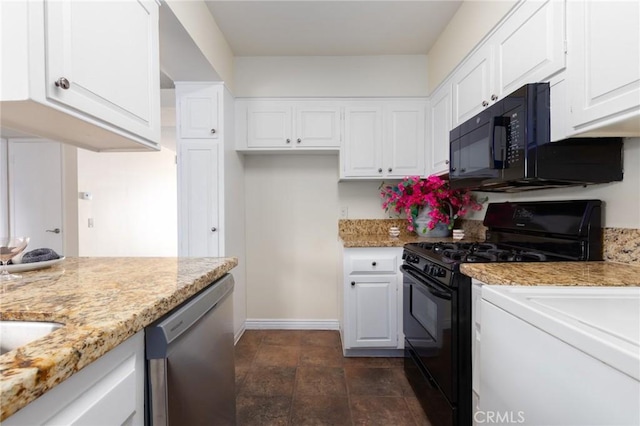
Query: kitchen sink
point(14, 334)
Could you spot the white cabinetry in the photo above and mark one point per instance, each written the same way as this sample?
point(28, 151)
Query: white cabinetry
point(199, 198)
point(604, 67)
point(527, 47)
point(199, 110)
point(200, 169)
point(576, 349)
point(476, 316)
point(372, 299)
point(439, 127)
point(286, 125)
point(361, 155)
point(109, 391)
point(384, 140)
point(85, 73)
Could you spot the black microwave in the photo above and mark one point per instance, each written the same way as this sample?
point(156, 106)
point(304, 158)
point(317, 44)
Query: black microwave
point(507, 148)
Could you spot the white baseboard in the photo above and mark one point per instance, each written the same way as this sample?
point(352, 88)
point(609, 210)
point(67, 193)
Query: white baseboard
point(291, 324)
point(239, 334)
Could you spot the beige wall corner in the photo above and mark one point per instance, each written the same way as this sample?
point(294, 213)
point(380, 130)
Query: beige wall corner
point(203, 29)
point(473, 20)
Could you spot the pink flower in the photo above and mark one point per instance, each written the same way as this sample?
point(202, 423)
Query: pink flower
point(414, 193)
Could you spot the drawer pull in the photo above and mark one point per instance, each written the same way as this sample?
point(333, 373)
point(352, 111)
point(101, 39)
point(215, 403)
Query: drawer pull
point(353, 283)
point(374, 263)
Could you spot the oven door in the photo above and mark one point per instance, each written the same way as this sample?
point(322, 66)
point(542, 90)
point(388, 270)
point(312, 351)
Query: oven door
point(428, 322)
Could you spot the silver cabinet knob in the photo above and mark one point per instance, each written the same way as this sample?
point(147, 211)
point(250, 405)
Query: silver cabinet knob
point(63, 83)
point(374, 263)
point(485, 103)
point(494, 97)
point(299, 140)
point(390, 169)
point(380, 170)
point(213, 131)
point(446, 161)
point(55, 231)
point(288, 140)
point(353, 283)
point(214, 229)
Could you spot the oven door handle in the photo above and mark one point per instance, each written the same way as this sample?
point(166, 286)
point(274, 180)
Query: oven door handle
point(443, 294)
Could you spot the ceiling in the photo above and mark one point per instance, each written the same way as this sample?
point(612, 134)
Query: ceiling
point(331, 28)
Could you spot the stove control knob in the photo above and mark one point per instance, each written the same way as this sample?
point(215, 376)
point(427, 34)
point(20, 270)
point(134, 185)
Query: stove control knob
point(442, 272)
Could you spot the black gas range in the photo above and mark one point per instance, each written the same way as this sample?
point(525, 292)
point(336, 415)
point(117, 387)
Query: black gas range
point(437, 297)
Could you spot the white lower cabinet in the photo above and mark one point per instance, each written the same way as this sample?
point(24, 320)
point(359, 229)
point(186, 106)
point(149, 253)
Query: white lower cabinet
point(476, 315)
point(109, 391)
point(372, 299)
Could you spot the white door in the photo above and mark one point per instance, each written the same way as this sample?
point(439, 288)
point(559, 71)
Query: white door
point(108, 52)
point(604, 68)
point(199, 111)
point(473, 86)
point(439, 126)
point(373, 312)
point(35, 193)
point(317, 125)
point(269, 125)
point(404, 140)
point(198, 199)
point(363, 141)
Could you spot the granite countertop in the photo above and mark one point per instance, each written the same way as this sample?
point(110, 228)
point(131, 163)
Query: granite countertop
point(384, 240)
point(612, 274)
point(101, 302)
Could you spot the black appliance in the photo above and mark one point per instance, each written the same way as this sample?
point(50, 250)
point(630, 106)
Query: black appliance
point(437, 296)
point(507, 148)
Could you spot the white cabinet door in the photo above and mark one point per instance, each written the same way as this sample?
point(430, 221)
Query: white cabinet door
point(102, 59)
point(109, 391)
point(404, 142)
point(529, 46)
point(317, 125)
point(604, 66)
point(372, 312)
point(199, 203)
point(199, 111)
point(472, 86)
point(269, 125)
point(362, 149)
point(439, 128)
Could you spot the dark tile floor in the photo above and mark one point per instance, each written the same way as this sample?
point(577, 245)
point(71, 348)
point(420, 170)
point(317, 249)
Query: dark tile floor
point(291, 377)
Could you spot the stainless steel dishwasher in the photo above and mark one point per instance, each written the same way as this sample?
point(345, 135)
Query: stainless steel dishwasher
point(190, 364)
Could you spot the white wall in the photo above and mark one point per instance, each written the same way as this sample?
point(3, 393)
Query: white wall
point(622, 199)
point(335, 76)
point(134, 205)
point(234, 214)
point(292, 236)
point(472, 21)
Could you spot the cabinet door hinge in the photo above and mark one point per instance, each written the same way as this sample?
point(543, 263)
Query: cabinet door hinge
point(565, 46)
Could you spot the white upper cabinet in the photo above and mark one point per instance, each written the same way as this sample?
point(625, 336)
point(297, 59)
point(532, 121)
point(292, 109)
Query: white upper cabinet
point(384, 139)
point(528, 47)
point(362, 152)
point(439, 127)
point(278, 125)
point(473, 86)
point(404, 143)
point(199, 110)
point(85, 73)
point(604, 67)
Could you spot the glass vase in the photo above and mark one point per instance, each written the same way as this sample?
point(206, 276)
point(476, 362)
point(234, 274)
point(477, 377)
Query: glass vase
point(422, 229)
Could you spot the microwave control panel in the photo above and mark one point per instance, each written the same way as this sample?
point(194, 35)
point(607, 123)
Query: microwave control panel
point(515, 140)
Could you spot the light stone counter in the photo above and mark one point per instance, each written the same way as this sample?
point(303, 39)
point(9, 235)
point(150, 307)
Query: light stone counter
point(102, 302)
point(555, 273)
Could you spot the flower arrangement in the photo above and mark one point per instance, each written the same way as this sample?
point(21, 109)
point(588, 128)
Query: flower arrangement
point(414, 193)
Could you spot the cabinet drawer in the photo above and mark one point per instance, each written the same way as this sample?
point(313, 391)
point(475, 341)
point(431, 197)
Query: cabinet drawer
point(386, 264)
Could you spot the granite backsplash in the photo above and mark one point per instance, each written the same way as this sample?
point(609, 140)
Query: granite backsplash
point(620, 244)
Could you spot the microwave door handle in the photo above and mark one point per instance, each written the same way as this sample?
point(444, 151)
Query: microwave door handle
point(493, 123)
point(432, 289)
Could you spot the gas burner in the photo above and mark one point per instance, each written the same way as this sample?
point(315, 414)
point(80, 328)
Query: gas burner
point(528, 256)
point(480, 247)
point(455, 254)
point(502, 255)
point(480, 257)
point(442, 247)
